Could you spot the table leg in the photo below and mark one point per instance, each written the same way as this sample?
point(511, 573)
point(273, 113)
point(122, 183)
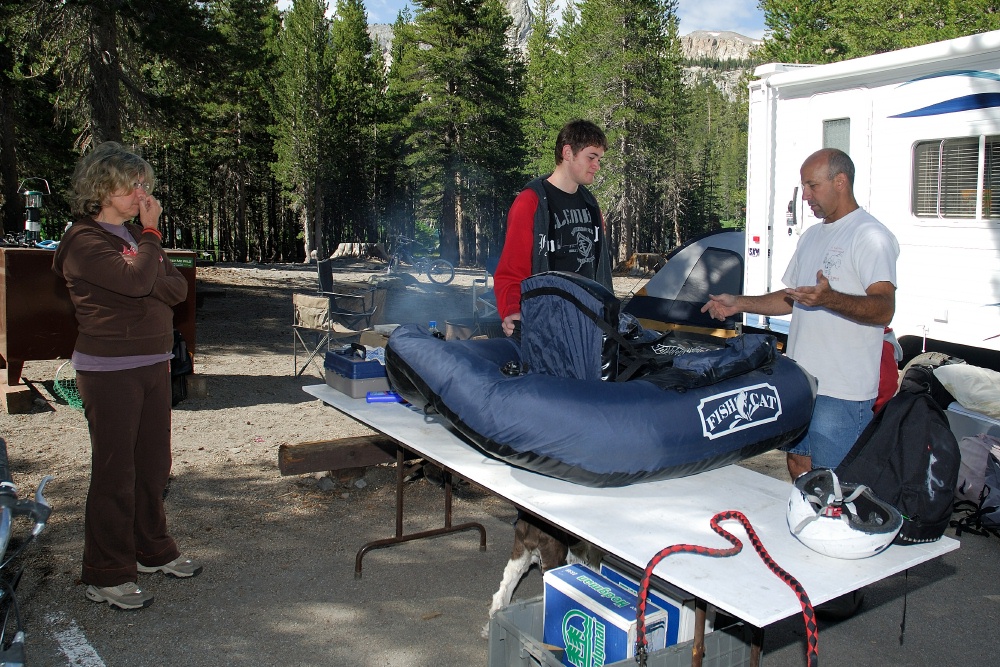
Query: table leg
point(400, 537)
point(14, 369)
point(757, 647)
point(698, 647)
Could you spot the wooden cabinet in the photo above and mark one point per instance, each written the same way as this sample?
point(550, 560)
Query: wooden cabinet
point(36, 314)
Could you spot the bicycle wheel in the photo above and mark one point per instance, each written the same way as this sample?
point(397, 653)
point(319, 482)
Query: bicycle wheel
point(441, 272)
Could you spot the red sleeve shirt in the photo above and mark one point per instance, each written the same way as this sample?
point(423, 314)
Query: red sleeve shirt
point(515, 260)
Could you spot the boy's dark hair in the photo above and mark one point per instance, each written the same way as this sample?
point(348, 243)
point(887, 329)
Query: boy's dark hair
point(579, 134)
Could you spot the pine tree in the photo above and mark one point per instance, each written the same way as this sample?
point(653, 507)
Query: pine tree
point(824, 31)
point(238, 146)
point(464, 83)
point(672, 178)
point(357, 89)
point(802, 32)
point(887, 25)
point(494, 138)
point(732, 158)
point(625, 70)
point(26, 117)
point(545, 103)
point(566, 83)
point(111, 54)
point(301, 102)
point(98, 70)
point(395, 184)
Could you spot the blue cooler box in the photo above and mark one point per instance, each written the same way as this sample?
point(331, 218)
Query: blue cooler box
point(594, 620)
point(355, 370)
point(356, 362)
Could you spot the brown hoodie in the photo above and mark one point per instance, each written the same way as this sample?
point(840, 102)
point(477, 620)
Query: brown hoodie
point(123, 299)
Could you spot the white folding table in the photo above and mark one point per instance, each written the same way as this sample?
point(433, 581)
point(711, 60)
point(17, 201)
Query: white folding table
point(635, 522)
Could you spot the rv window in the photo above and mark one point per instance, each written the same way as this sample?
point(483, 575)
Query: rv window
point(959, 178)
point(837, 134)
point(946, 178)
point(991, 178)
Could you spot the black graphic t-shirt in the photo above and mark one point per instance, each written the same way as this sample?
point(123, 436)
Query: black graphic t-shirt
point(573, 236)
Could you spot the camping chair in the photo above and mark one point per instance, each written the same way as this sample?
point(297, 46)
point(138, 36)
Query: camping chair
point(484, 302)
point(350, 303)
point(312, 329)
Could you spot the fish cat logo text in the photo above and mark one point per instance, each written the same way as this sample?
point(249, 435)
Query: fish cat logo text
point(737, 410)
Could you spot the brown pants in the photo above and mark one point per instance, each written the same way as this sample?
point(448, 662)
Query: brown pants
point(128, 413)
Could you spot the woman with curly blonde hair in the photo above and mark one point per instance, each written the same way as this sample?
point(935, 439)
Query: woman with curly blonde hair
point(123, 288)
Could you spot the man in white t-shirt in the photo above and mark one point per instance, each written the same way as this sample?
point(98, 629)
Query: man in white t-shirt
point(841, 294)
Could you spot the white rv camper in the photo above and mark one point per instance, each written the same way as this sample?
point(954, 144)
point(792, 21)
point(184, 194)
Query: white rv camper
point(923, 128)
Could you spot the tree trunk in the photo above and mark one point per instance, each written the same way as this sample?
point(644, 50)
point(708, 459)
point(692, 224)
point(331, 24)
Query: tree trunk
point(306, 224)
point(105, 72)
point(318, 214)
point(461, 242)
point(449, 221)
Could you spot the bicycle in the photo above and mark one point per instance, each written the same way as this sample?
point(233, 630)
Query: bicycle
point(439, 271)
point(11, 507)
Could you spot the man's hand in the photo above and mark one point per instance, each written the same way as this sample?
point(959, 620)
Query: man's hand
point(875, 307)
point(508, 323)
point(817, 296)
point(720, 306)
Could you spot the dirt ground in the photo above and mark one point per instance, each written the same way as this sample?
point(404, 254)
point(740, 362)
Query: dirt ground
point(278, 586)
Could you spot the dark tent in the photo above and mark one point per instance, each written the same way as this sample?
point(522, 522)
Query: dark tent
point(672, 299)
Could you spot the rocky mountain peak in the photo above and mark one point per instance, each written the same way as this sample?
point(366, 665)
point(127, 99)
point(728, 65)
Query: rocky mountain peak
point(717, 45)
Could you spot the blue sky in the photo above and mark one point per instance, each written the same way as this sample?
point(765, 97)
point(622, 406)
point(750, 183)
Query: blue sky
point(740, 16)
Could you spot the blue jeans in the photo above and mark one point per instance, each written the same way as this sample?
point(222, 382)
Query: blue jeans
point(835, 426)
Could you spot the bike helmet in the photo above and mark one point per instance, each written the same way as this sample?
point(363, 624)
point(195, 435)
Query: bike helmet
point(840, 520)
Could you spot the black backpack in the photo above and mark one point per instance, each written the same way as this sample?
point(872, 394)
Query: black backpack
point(180, 367)
point(909, 458)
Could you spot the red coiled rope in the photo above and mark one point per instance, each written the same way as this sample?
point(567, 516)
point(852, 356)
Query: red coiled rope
point(812, 630)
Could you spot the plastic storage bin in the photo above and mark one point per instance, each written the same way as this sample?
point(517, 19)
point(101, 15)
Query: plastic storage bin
point(514, 631)
point(355, 388)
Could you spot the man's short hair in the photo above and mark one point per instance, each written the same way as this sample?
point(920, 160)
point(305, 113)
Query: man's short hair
point(579, 134)
point(840, 162)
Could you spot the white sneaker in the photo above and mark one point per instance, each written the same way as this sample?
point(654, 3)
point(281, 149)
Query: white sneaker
point(123, 596)
point(180, 567)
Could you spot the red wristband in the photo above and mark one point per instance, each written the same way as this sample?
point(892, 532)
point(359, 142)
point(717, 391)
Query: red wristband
point(150, 230)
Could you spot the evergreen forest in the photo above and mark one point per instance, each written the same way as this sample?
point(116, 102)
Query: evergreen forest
point(275, 136)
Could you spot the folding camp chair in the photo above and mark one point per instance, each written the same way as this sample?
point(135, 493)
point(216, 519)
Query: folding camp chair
point(484, 303)
point(313, 328)
point(350, 303)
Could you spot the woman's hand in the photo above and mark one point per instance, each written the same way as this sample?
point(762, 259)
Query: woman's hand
point(149, 211)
